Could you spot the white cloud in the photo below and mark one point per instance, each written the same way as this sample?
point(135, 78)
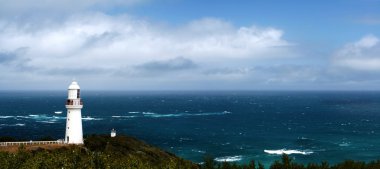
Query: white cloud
point(363, 55)
point(111, 42)
point(366, 42)
point(96, 46)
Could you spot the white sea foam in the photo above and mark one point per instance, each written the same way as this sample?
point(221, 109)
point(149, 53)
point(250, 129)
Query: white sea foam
point(210, 114)
point(88, 118)
point(42, 117)
point(6, 117)
point(134, 112)
point(123, 116)
point(162, 115)
point(229, 158)
point(285, 151)
point(50, 122)
point(148, 113)
point(198, 151)
point(155, 115)
point(303, 138)
point(344, 144)
point(12, 125)
point(38, 118)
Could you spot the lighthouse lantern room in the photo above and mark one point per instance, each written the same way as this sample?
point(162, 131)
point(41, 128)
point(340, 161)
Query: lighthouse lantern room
point(74, 132)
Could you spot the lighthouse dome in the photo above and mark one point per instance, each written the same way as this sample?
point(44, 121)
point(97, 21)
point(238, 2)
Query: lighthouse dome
point(74, 85)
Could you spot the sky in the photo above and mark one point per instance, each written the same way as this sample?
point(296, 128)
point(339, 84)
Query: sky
point(190, 45)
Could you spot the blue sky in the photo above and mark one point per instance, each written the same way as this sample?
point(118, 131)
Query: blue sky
point(190, 45)
point(303, 20)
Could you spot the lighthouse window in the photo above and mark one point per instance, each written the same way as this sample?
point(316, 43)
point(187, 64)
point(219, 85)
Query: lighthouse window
point(78, 93)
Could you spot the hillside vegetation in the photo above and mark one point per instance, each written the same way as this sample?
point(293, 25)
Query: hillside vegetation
point(101, 151)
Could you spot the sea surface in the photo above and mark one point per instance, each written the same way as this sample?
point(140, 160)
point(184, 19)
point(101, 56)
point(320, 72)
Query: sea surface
point(229, 125)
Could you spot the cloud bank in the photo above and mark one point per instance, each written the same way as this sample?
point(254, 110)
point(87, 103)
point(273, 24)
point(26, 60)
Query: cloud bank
point(44, 44)
point(100, 45)
point(363, 55)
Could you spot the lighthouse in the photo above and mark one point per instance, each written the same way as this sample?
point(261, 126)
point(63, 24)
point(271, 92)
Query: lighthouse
point(74, 132)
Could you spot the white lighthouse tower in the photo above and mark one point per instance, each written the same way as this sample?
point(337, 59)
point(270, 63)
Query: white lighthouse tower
point(74, 133)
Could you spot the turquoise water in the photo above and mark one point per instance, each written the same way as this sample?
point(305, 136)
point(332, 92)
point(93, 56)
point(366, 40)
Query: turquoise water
point(229, 125)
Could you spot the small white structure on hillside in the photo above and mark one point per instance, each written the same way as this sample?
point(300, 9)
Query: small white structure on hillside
point(74, 132)
point(113, 133)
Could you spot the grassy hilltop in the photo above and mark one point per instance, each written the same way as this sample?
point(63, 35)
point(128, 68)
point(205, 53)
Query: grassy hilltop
point(99, 151)
point(102, 151)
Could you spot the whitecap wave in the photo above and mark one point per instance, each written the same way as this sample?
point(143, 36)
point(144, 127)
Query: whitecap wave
point(42, 117)
point(50, 122)
point(162, 115)
point(58, 117)
point(198, 151)
point(229, 158)
point(155, 115)
point(13, 125)
point(303, 138)
point(6, 117)
point(88, 118)
point(134, 112)
point(285, 151)
point(148, 113)
point(344, 144)
point(123, 116)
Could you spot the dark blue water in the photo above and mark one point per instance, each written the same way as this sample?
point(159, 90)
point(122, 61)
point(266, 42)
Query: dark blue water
point(236, 126)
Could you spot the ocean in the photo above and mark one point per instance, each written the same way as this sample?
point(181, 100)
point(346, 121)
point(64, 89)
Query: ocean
point(235, 126)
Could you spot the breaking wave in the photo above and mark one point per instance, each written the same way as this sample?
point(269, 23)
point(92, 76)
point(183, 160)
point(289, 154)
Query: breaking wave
point(198, 151)
point(344, 144)
point(147, 113)
point(50, 122)
point(229, 158)
point(43, 118)
point(6, 117)
point(155, 115)
point(123, 116)
point(88, 118)
point(40, 118)
point(285, 151)
point(13, 125)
